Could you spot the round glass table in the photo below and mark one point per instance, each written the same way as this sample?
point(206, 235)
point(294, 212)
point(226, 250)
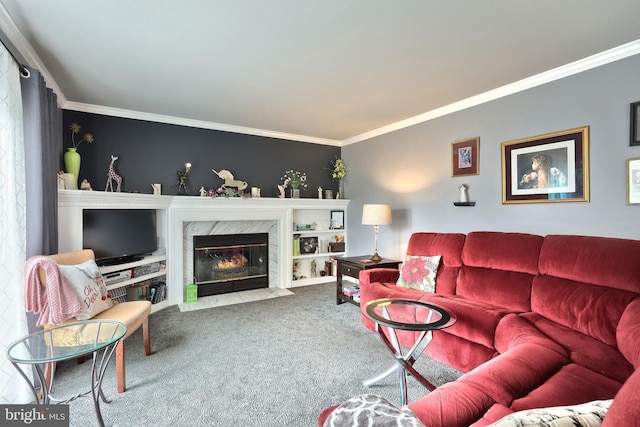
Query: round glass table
point(72, 340)
point(407, 315)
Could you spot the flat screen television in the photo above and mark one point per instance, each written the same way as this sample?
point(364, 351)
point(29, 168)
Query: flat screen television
point(119, 235)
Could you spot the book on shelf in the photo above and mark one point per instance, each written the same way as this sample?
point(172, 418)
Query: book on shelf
point(154, 292)
point(350, 291)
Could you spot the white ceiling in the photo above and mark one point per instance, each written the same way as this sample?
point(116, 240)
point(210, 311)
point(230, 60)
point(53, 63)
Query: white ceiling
point(330, 71)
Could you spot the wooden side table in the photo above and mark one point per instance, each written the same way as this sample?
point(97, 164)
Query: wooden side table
point(352, 266)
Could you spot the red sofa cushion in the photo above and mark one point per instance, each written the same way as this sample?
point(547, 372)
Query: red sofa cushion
point(584, 350)
point(597, 260)
point(628, 333)
point(476, 321)
point(452, 404)
point(591, 309)
point(503, 251)
point(515, 372)
point(571, 385)
point(509, 290)
point(514, 330)
point(625, 410)
point(499, 268)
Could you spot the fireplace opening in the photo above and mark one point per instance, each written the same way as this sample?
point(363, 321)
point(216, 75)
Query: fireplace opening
point(224, 263)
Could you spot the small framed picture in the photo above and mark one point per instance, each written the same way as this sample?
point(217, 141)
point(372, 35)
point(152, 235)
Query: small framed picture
point(465, 157)
point(633, 181)
point(308, 245)
point(635, 124)
point(553, 167)
point(337, 220)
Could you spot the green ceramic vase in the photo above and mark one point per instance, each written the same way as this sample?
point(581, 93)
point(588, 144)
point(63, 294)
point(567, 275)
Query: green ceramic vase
point(72, 164)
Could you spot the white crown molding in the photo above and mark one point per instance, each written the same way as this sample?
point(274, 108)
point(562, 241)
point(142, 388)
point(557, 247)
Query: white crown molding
point(118, 112)
point(603, 58)
point(28, 53)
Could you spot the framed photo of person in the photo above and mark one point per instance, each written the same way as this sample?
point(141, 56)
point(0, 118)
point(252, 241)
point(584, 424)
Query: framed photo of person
point(633, 181)
point(465, 157)
point(553, 167)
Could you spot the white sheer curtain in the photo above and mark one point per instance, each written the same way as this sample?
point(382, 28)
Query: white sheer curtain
point(13, 320)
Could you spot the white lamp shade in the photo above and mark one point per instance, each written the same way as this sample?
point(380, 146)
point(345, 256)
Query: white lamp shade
point(376, 214)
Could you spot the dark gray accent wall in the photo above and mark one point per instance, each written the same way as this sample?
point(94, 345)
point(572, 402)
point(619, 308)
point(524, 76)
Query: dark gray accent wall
point(151, 152)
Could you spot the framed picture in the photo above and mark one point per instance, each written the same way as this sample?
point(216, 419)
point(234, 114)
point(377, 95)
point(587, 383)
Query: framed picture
point(633, 181)
point(635, 124)
point(465, 157)
point(547, 168)
point(308, 245)
point(337, 220)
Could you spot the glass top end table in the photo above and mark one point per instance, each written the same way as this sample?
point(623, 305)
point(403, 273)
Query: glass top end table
point(63, 342)
point(406, 315)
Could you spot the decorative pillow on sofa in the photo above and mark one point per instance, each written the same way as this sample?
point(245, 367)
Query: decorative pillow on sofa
point(371, 410)
point(88, 284)
point(419, 272)
point(588, 414)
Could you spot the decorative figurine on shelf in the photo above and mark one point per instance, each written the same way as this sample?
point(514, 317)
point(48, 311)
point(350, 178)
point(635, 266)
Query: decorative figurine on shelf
point(60, 179)
point(113, 176)
point(464, 197)
point(229, 181)
point(319, 192)
point(203, 192)
point(314, 268)
point(281, 191)
point(183, 180)
point(86, 185)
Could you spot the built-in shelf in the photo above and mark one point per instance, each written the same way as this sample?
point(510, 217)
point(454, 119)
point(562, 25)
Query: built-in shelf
point(174, 211)
point(120, 287)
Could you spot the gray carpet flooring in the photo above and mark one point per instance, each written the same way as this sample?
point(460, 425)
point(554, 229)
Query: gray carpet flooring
point(276, 362)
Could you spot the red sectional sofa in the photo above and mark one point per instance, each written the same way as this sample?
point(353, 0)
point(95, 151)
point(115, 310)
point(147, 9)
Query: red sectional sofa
point(542, 322)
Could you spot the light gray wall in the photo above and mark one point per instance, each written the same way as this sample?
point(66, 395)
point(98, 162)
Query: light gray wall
point(410, 169)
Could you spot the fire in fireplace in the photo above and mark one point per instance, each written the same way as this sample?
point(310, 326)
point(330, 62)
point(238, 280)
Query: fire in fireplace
point(230, 262)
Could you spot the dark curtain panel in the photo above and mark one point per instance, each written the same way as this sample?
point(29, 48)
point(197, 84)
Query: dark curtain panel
point(43, 145)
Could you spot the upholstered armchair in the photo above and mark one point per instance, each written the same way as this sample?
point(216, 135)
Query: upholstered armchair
point(132, 313)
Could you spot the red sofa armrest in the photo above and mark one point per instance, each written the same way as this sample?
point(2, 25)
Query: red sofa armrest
point(380, 275)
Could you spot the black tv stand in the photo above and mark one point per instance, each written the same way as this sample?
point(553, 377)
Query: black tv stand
point(119, 260)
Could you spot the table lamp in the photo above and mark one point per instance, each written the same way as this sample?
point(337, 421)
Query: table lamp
point(376, 215)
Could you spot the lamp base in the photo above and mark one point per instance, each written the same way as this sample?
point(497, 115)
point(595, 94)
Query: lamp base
point(376, 258)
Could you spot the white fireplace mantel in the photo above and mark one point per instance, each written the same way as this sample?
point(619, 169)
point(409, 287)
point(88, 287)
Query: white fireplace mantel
point(175, 211)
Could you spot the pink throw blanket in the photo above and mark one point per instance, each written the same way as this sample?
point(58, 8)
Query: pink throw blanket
point(56, 301)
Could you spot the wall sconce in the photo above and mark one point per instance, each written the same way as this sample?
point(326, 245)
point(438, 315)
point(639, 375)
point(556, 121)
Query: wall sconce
point(376, 215)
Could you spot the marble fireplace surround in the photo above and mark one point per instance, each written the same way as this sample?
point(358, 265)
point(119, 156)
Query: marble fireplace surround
point(189, 217)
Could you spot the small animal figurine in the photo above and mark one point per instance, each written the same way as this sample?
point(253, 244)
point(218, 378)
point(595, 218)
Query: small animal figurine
point(86, 185)
point(281, 190)
point(113, 176)
point(229, 180)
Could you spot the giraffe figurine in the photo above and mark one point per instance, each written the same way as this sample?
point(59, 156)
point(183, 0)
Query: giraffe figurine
point(112, 175)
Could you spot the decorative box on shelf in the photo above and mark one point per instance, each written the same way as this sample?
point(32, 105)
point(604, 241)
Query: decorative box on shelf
point(336, 247)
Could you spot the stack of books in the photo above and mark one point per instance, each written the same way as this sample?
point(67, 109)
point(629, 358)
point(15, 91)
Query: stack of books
point(353, 292)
